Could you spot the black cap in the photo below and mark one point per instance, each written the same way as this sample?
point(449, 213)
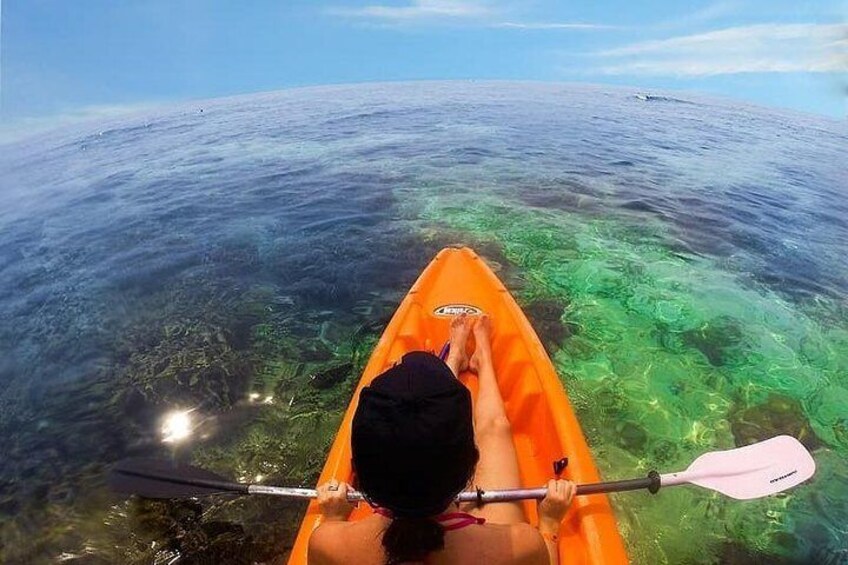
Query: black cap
point(413, 437)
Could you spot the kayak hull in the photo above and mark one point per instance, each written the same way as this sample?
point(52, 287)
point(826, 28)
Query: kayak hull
point(544, 426)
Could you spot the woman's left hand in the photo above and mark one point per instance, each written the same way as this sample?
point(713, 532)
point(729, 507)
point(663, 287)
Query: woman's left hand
point(555, 505)
point(332, 499)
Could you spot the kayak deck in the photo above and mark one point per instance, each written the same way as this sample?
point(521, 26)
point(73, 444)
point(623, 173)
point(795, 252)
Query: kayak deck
point(544, 426)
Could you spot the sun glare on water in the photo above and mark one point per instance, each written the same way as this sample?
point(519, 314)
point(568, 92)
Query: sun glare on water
point(176, 426)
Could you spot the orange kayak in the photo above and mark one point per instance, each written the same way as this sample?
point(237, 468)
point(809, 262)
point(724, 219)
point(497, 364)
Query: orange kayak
point(544, 426)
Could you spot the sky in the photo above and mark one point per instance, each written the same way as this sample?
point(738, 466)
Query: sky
point(61, 58)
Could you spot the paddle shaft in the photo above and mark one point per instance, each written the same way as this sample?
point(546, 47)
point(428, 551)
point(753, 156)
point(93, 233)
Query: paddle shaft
point(651, 482)
point(483, 496)
point(480, 496)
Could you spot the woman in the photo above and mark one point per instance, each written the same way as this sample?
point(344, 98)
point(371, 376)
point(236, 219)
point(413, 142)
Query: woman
point(415, 446)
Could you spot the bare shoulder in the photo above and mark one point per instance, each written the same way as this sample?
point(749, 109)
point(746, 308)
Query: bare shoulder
point(324, 543)
point(528, 545)
point(500, 543)
point(336, 542)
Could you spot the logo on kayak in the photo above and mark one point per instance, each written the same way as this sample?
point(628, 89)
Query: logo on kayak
point(786, 476)
point(450, 310)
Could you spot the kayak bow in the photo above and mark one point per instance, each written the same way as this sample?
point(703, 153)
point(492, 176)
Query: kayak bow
point(544, 426)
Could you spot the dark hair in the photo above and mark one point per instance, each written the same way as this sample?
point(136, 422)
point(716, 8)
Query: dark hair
point(413, 538)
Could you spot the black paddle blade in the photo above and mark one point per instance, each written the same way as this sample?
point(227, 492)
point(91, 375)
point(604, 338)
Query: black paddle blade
point(154, 478)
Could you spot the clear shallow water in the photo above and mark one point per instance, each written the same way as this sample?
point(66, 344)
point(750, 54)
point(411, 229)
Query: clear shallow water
point(683, 259)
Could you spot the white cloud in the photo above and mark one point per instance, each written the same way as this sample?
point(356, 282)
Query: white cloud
point(713, 11)
point(418, 10)
point(708, 13)
point(475, 12)
point(763, 48)
point(551, 25)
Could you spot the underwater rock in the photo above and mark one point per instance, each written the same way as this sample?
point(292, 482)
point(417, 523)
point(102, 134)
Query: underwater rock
point(664, 451)
point(315, 352)
point(331, 377)
point(179, 526)
point(737, 553)
point(715, 339)
point(580, 348)
point(631, 437)
point(779, 414)
point(191, 363)
point(610, 399)
point(546, 317)
point(155, 519)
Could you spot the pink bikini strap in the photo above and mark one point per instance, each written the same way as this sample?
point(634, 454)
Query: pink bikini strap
point(449, 521)
point(457, 520)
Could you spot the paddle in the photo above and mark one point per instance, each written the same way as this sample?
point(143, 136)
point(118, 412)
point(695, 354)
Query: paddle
point(753, 471)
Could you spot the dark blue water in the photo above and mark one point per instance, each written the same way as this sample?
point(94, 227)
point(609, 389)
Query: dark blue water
point(169, 258)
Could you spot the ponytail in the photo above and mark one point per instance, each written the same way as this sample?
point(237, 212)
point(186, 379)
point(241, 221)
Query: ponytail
point(411, 539)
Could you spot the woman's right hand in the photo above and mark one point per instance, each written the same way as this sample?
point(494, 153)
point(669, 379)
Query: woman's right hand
point(553, 507)
point(332, 500)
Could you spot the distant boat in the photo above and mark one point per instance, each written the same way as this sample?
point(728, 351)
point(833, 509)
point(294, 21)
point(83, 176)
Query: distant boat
point(656, 98)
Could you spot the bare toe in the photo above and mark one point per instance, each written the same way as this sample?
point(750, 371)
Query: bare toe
point(483, 328)
point(459, 331)
point(483, 348)
point(460, 328)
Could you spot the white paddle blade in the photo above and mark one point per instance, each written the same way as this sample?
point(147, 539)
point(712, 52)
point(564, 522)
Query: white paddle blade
point(753, 471)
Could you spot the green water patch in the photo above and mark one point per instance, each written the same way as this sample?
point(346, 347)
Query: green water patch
point(667, 355)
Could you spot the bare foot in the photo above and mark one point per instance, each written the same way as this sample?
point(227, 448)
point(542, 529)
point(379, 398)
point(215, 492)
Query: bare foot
point(458, 357)
point(483, 337)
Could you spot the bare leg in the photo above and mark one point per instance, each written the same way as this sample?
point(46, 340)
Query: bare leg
point(458, 357)
point(498, 466)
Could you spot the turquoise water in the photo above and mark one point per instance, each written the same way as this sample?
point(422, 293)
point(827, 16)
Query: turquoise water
point(668, 357)
point(682, 258)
